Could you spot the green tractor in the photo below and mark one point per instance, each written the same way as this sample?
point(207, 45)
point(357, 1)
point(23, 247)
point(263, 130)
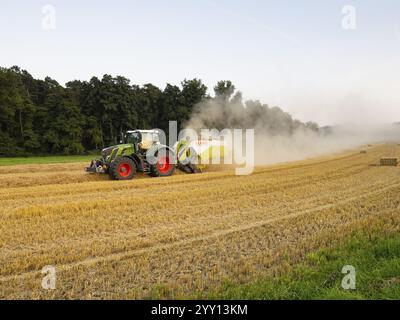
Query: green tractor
point(141, 151)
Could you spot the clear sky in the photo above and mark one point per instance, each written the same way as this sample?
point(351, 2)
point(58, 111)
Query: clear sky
point(294, 54)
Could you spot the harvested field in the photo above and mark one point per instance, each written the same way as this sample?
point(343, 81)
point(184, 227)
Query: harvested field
point(174, 236)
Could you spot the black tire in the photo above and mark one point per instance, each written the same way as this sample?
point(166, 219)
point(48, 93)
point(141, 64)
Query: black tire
point(157, 170)
point(188, 168)
point(122, 169)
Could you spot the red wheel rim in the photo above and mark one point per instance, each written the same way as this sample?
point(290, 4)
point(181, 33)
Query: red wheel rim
point(124, 169)
point(164, 165)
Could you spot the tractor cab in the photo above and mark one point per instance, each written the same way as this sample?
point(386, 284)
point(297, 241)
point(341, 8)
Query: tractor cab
point(142, 139)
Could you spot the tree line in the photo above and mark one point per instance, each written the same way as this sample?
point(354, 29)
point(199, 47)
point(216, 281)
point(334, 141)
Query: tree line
point(44, 117)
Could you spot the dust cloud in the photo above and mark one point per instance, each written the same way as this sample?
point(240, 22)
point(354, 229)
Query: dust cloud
point(279, 137)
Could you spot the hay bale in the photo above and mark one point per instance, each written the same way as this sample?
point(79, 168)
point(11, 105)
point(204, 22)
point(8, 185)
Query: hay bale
point(388, 162)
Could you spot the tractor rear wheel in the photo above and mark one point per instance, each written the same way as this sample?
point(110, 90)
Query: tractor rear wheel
point(164, 167)
point(122, 169)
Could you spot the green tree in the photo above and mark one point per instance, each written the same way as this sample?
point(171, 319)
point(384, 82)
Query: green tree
point(61, 120)
point(41, 116)
point(16, 114)
point(193, 92)
point(224, 89)
point(171, 106)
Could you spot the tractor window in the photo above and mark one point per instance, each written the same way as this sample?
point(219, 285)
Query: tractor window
point(150, 137)
point(156, 138)
point(132, 137)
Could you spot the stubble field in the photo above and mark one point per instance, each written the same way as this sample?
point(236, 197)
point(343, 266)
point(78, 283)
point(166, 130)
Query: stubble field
point(184, 235)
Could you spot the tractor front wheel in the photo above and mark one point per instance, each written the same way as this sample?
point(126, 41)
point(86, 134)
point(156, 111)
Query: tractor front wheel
point(122, 169)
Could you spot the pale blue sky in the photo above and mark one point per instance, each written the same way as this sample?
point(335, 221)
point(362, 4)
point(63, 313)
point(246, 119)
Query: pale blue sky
point(294, 54)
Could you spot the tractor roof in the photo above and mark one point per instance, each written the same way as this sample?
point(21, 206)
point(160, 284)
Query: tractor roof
point(144, 131)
